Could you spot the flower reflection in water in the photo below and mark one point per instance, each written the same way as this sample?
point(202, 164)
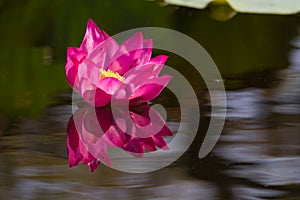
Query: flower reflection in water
point(91, 131)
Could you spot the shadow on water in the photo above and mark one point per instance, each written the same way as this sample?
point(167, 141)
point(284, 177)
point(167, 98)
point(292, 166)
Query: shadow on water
point(257, 156)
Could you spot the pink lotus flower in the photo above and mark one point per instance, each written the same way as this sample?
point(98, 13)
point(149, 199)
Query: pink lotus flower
point(100, 69)
point(91, 132)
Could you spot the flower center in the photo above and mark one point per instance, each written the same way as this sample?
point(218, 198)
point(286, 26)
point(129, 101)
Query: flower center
point(109, 73)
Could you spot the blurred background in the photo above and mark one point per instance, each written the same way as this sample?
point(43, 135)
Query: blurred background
point(258, 55)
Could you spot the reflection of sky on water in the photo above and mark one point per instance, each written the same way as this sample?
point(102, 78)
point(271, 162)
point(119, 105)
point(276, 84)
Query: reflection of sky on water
point(113, 186)
point(271, 171)
point(245, 103)
point(288, 91)
point(261, 137)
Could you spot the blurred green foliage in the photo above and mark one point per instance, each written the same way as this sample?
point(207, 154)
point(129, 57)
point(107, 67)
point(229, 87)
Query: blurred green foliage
point(34, 35)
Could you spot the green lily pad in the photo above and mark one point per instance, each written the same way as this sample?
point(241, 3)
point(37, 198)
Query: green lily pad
point(190, 3)
point(266, 6)
point(247, 6)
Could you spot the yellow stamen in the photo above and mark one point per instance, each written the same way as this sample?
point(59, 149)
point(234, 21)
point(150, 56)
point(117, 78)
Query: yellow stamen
point(109, 73)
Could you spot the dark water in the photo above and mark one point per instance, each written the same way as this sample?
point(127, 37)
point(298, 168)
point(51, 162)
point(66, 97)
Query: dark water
point(257, 156)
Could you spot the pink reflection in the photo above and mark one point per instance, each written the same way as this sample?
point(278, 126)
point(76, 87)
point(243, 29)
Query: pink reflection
point(91, 131)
